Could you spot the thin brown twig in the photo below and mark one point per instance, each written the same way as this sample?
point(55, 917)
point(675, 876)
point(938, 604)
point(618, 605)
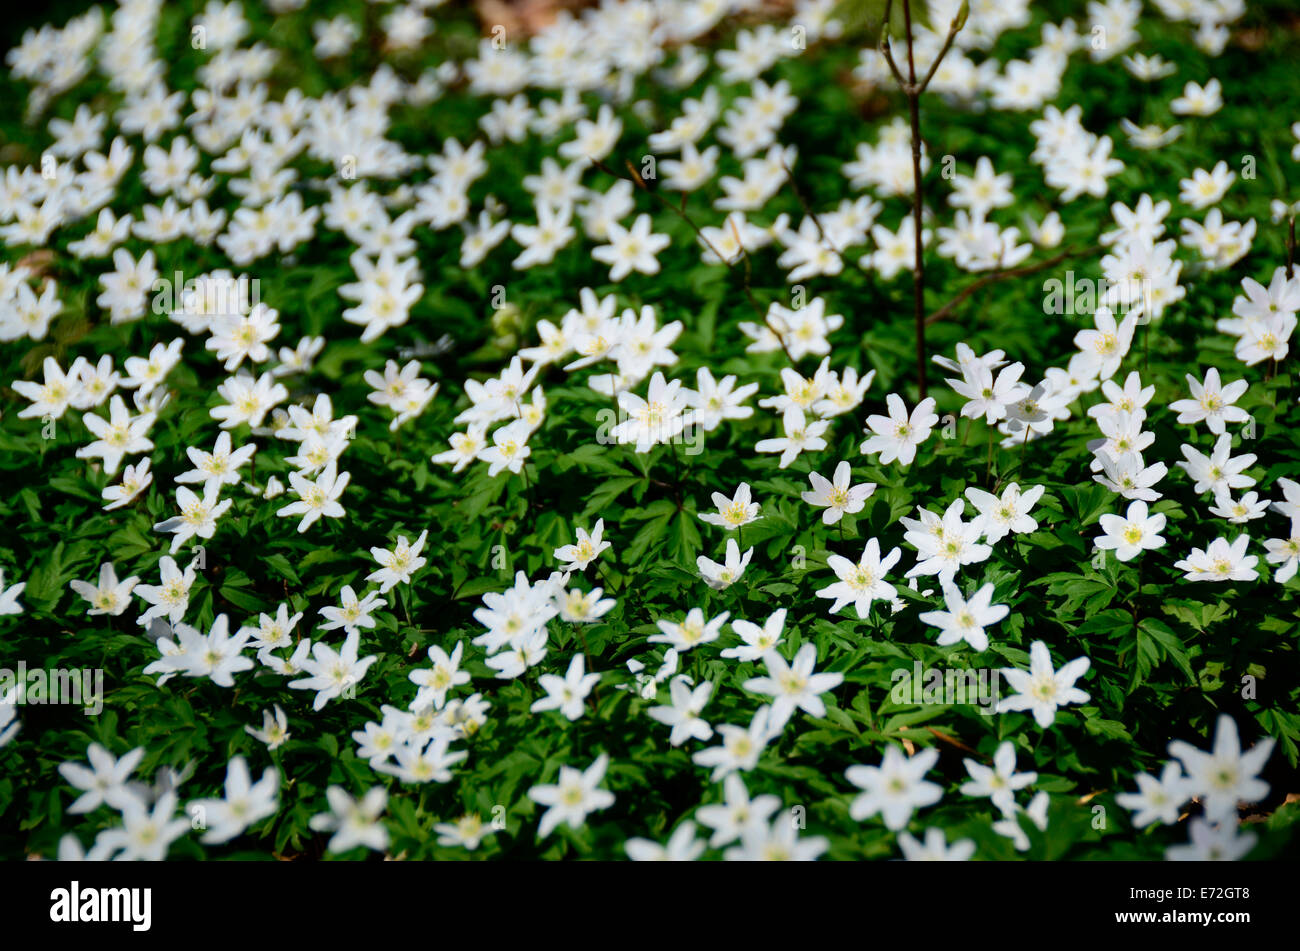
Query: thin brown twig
point(1290, 272)
point(807, 209)
point(958, 22)
point(885, 50)
point(1290, 248)
point(912, 90)
point(918, 264)
point(731, 265)
point(997, 276)
point(740, 243)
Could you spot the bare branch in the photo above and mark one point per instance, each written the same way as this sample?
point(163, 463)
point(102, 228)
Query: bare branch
point(957, 23)
point(884, 48)
point(807, 209)
point(731, 265)
point(997, 276)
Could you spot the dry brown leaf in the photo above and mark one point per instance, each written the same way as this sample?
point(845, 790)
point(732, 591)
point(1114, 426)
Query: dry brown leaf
point(37, 262)
point(525, 17)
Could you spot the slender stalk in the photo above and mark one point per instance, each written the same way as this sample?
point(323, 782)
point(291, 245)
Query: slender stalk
point(532, 496)
point(807, 209)
point(1290, 248)
point(608, 583)
point(918, 269)
point(1290, 272)
point(913, 90)
point(997, 276)
point(731, 265)
point(677, 473)
point(586, 652)
point(1137, 592)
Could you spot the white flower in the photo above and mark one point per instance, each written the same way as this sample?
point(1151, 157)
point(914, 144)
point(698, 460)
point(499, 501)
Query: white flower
point(836, 495)
point(897, 435)
point(217, 655)
point(1284, 552)
point(715, 400)
point(467, 832)
point(1225, 776)
point(1108, 343)
point(1160, 799)
point(135, 479)
point(1042, 689)
point(104, 780)
point(1212, 842)
point(949, 544)
point(862, 583)
point(741, 746)
point(736, 813)
point(445, 675)
point(330, 672)
point(965, 620)
point(9, 596)
point(1001, 781)
point(658, 418)
point(757, 640)
point(398, 565)
point(1009, 824)
point(1008, 514)
point(719, 576)
point(110, 596)
point(778, 842)
point(354, 822)
point(245, 803)
point(1129, 476)
point(1129, 536)
point(353, 613)
point(734, 512)
point(1249, 507)
point(793, 685)
point(274, 731)
point(1221, 561)
point(1206, 188)
point(935, 847)
point(690, 632)
point(683, 715)
point(568, 694)
point(986, 396)
point(895, 788)
point(144, 835)
point(1198, 100)
point(509, 448)
point(573, 797)
point(587, 549)
point(316, 499)
point(631, 249)
point(1212, 402)
point(800, 436)
point(681, 847)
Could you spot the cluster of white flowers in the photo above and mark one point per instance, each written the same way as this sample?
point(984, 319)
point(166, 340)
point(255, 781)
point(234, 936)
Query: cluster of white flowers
point(225, 168)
